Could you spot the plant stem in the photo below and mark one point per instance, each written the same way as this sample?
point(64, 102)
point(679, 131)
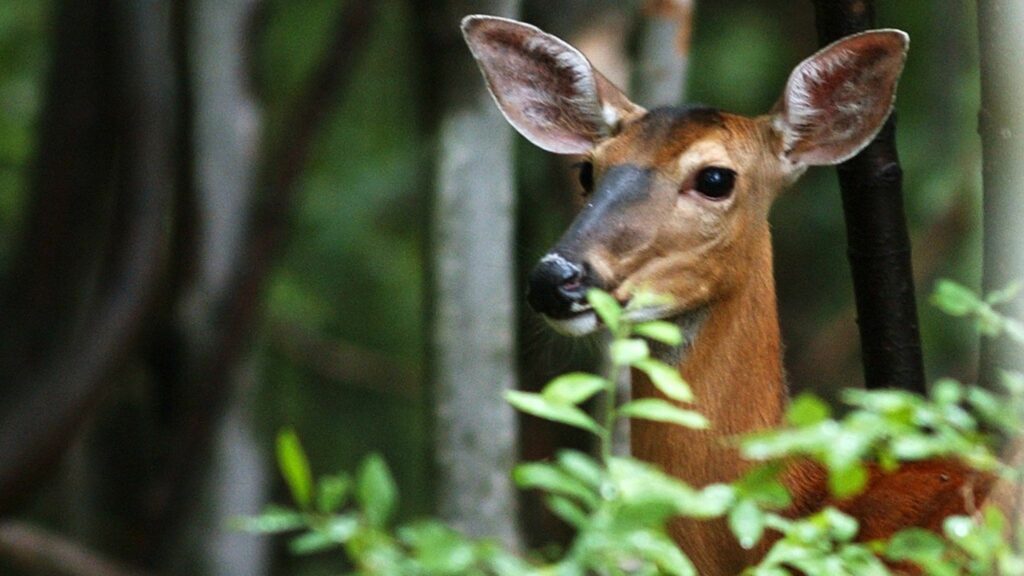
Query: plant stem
point(611, 386)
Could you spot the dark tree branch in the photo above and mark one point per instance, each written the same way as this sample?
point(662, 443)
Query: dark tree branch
point(70, 194)
point(40, 551)
point(345, 362)
point(829, 354)
point(284, 158)
point(878, 244)
point(57, 396)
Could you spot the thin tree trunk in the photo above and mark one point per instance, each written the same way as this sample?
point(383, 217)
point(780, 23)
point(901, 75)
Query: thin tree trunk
point(878, 244)
point(1001, 124)
point(224, 140)
point(664, 53)
point(473, 330)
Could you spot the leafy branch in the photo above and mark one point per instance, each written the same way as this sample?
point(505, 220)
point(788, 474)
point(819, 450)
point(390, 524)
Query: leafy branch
point(620, 506)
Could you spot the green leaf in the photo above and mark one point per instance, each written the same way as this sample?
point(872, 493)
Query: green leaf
point(272, 520)
point(581, 467)
point(762, 485)
point(567, 510)
point(376, 491)
point(842, 527)
point(958, 528)
point(806, 410)
point(439, 549)
point(662, 411)
point(922, 547)
point(664, 332)
point(342, 528)
point(332, 491)
point(667, 379)
point(713, 501)
point(1014, 329)
point(549, 478)
point(955, 299)
point(847, 481)
point(663, 551)
point(294, 465)
point(606, 306)
point(573, 388)
point(746, 521)
point(311, 543)
point(916, 447)
point(628, 352)
point(1004, 295)
point(947, 391)
point(1013, 382)
point(541, 407)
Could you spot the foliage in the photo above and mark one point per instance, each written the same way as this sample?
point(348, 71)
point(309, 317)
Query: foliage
point(620, 506)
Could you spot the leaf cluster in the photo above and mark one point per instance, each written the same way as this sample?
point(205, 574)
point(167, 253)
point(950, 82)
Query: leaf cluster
point(620, 506)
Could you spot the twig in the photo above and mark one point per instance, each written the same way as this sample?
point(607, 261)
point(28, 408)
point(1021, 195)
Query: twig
point(38, 550)
point(345, 362)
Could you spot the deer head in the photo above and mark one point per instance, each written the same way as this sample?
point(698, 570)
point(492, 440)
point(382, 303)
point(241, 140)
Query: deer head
point(677, 199)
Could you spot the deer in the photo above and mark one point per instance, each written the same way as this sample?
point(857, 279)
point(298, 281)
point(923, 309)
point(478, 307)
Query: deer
point(676, 203)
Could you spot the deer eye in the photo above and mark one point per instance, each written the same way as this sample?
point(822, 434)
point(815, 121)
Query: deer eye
point(586, 176)
point(715, 183)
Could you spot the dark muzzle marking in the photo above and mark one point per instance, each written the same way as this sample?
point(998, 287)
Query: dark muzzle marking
point(558, 284)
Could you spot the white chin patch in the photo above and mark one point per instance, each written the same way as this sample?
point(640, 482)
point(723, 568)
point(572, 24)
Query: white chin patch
point(579, 325)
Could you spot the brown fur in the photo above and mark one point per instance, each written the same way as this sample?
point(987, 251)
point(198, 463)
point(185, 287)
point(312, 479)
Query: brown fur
point(734, 365)
point(711, 253)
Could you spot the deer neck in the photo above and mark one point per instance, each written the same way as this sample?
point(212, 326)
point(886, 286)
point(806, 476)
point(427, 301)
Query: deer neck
point(733, 365)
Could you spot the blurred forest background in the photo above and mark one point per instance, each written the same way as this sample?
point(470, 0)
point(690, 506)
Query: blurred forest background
point(221, 217)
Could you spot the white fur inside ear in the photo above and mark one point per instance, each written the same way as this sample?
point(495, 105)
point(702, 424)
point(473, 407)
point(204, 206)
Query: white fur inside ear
point(837, 100)
point(804, 114)
point(584, 94)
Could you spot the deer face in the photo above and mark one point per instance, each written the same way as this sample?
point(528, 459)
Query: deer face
point(677, 199)
point(671, 202)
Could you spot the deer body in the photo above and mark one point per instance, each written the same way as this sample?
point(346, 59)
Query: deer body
point(677, 203)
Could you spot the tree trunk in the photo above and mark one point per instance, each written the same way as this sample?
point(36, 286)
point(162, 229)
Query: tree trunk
point(878, 244)
point(224, 140)
point(48, 401)
point(664, 53)
point(1001, 124)
point(474, 300)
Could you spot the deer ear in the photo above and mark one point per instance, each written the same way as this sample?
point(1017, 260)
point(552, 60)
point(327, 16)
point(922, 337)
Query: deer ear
point(545, 88)
point(837, 100)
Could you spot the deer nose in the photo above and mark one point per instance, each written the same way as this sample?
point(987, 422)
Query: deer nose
point(555, 285)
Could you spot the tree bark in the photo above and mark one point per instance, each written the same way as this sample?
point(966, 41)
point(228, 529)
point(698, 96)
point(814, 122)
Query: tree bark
point(67, 218)
point(1001, 125)
point(664, 53)
point(42, 552)
point(878, 244)
point(223, 141)
point(218, 349)
point(49, 400)
point(474, 301)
